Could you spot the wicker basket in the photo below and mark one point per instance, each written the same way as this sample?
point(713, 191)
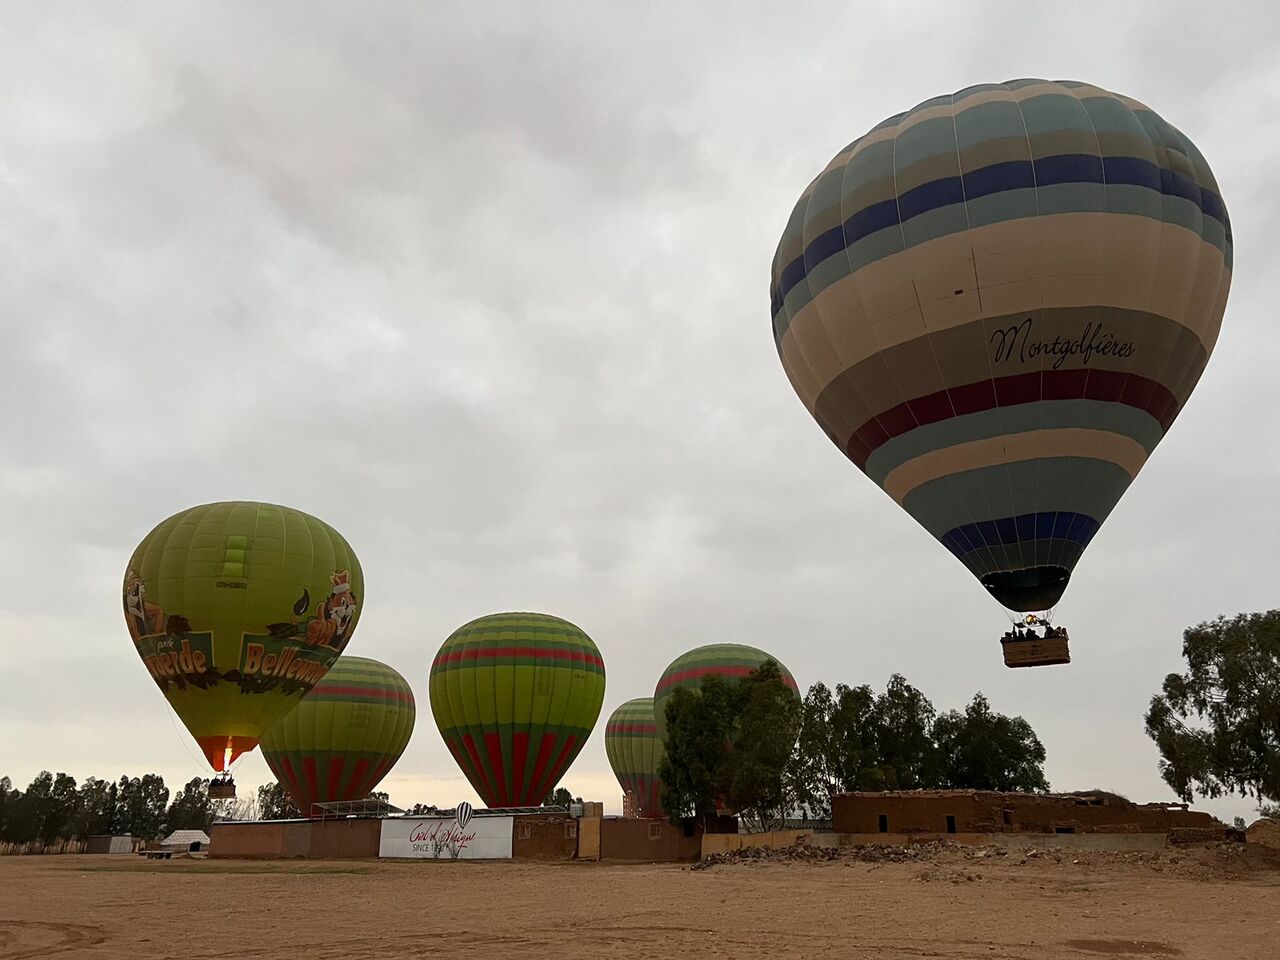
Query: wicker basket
point(1036, 652)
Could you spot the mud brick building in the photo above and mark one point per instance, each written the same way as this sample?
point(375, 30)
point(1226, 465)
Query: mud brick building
point(975, 811)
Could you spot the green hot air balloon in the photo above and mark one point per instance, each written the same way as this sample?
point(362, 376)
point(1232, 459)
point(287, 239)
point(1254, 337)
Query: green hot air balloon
point(995, 305)
point(345, 735)
point(728, 660)
point(515, 696)
point(238, 609)
point(634, 750)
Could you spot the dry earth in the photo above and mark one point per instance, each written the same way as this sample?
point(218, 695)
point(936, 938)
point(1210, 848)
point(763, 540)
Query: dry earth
point(1218, 903)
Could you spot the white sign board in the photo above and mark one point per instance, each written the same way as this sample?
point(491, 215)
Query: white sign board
point(441, 838)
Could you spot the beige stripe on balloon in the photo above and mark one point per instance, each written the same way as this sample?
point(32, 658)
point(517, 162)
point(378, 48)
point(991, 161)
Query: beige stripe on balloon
point(1115, 260)
point(1123, 451)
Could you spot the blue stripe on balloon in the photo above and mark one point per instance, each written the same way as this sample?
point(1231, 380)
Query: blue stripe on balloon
point(1010, 531)
point(997, 178)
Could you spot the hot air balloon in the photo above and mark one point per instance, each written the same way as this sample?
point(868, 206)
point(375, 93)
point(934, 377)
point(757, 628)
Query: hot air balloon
point(515, 696)
point(345, 735)
point(237, 610)
point(634, 750)
point(728, 660)
point(995, 304)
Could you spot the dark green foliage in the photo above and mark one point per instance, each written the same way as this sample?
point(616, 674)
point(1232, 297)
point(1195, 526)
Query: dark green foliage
point(982, 750)
point(729, 746)
point(274, 803)
point(1217, 726)
point(192, 808)
point(560, 797)
point(902, 722)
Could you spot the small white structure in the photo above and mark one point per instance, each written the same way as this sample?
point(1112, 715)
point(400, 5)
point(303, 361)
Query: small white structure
point(186, 841)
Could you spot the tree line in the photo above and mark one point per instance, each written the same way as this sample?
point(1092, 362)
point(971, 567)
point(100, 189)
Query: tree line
point(756, 748)
point(54, 808)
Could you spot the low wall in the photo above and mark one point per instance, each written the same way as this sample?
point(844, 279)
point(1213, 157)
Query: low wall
point(1017, 841)
point(776, 840)
point(548, 836)
point(354, 839)
point(637, 840)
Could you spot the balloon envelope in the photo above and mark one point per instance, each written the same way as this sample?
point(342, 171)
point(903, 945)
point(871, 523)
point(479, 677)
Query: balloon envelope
point(728, 660)
point(634, 750)
point(995, 304)
point(237, 610)
point(515, 696)
point(345, 735)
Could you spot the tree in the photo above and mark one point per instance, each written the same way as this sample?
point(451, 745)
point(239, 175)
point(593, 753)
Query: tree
point(8, 807)
point(141, 806)
point(62, 810)
point(274, 803)
point(983, 750)
point(97, 812)
point(836, 748)
point(767, 716)
point(902, 721)
point(423, 810)
point(1217, 726)
point(192, 808)
point(699, 728)
point(560, 797)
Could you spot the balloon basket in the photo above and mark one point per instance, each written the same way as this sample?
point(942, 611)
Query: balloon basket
point(222, 788)
point(1035, 651)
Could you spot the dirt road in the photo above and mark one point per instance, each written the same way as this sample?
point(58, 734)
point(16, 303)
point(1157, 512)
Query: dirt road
point(1201, 904)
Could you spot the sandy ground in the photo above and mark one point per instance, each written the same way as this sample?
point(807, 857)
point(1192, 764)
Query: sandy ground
point(1206, 903)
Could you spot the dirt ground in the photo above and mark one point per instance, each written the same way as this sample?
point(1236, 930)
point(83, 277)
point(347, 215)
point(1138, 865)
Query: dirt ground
point(1216, 903)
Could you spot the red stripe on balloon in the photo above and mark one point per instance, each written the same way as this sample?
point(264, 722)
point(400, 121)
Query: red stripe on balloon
point(487, 788)
point(1091, 384)
point(313, 792)
point(520, 745)
point(538, 653)
point(493, 745)
point(531, 797)
point(335, 777)
point(695, 673)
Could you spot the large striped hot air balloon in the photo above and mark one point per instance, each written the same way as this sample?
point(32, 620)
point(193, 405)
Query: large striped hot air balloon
point(237, 610)
point(634, 750)
point(515, 696)
point(995, 304)
point(345, 735)
point(728, 660)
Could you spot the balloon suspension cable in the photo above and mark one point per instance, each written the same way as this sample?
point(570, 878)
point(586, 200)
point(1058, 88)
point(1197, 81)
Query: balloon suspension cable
point(202, 763)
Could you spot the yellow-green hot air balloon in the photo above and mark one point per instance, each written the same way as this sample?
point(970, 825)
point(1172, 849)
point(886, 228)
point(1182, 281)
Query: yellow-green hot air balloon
point(995, 304)
point(515, 696)
point(345, 735)
point(238, 609)
point(730, 661)
point(634, 750)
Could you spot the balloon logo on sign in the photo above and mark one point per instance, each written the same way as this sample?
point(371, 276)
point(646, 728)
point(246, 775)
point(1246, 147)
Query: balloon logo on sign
point(463, 815)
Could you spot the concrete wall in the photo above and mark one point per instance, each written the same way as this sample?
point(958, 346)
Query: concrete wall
point(549, 836)
point(629, 838)
point(989, 812)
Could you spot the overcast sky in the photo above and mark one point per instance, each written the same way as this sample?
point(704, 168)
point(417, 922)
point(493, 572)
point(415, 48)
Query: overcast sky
point(486, 287)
